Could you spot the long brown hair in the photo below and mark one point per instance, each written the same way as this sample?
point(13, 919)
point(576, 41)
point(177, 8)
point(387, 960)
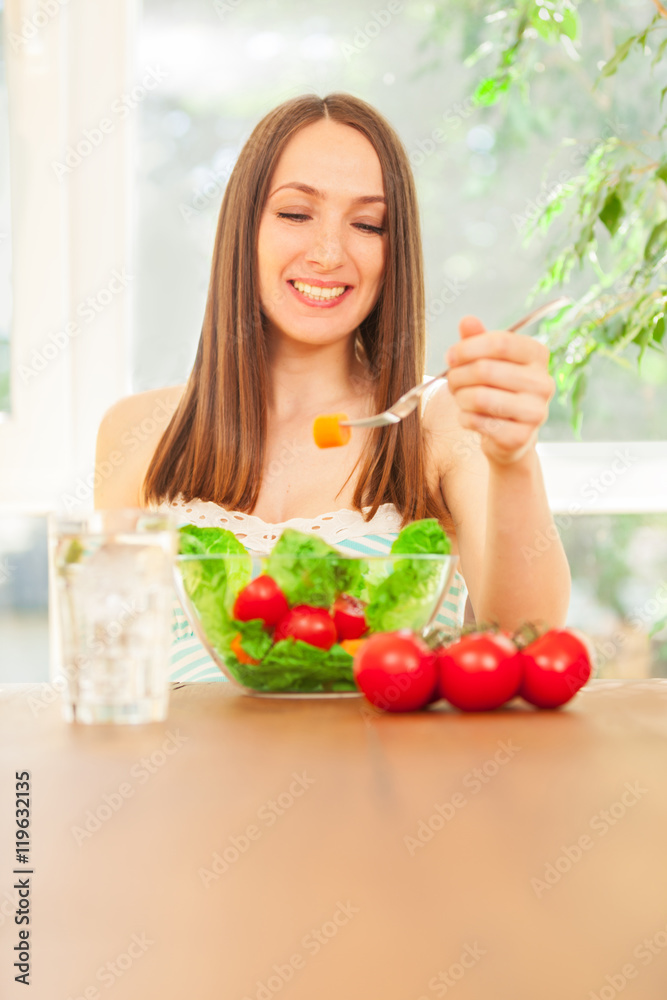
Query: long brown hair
point(213, 448)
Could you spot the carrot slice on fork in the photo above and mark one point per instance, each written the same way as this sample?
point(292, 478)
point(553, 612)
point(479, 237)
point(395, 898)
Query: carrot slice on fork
point(328, 432)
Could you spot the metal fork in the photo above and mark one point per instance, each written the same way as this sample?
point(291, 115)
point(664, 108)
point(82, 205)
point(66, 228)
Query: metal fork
point(409, 400)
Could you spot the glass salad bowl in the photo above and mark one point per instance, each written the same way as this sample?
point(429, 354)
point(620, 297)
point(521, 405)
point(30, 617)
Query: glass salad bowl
point(289, 622)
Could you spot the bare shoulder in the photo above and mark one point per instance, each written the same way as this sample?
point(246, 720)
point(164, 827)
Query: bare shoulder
point(126, 441)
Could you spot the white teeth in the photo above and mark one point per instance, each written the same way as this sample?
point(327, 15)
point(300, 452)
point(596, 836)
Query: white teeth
point(315, 292)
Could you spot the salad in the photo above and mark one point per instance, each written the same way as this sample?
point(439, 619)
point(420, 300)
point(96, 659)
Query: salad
point(295, 626)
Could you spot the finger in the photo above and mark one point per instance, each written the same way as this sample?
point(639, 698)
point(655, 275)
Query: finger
point(502, 375)
point(485, 401)
point(508, 435)
point(471, 326)
point(501, 345)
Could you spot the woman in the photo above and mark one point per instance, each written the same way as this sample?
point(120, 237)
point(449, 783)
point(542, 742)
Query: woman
point(316, 304)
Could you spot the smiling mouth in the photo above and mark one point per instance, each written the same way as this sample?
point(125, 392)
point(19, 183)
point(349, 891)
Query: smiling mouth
point(317, 293)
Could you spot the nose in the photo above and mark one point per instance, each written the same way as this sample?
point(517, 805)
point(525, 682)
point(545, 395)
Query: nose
point(327, 248)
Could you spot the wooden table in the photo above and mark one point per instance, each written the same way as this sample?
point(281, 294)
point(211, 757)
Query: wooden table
point(313, 849)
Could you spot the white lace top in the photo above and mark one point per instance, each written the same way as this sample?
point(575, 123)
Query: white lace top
point(335, 527)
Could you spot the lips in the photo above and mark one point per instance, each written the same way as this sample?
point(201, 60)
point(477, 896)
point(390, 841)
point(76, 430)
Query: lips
point(331, 294)
point(318, 283)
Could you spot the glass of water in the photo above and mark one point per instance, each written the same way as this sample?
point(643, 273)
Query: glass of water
point(112, 573)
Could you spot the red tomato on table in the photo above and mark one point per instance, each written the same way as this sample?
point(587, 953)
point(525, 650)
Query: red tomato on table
point(396, 671)
point(479, 672)
point(555, 667)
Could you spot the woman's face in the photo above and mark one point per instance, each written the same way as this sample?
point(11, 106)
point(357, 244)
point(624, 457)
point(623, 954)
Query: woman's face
point(323, 226)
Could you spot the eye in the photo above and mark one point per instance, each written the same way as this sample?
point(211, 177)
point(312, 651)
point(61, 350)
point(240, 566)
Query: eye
point(370, 229)
point(291, 215)
point(299, 217)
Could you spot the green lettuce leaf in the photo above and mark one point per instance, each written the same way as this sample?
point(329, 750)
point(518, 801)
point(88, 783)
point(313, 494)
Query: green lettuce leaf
point(405, 598)
point(424, 536)
point(308, 580)
point(212, 584)
point(292, 665)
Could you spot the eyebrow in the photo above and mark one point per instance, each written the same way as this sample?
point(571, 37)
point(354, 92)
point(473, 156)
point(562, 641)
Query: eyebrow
point(364, 199)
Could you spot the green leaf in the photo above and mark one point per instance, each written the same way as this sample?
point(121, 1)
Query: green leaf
point(612, 212)
point(256, 641)
point(213, 583)
point(545, 25)
point(424, 536)
point(662, 96)
point(659, 53)
point(570, 24)
point(584, 239)
point(405, 598)
point(619, 55)
point(579, 389)
point(661, 172)
point(656, 244)
point(292, 665)
point(657, 627)
point(659, 329)
point(642, 339)
point(309, 571)
point(489, 90)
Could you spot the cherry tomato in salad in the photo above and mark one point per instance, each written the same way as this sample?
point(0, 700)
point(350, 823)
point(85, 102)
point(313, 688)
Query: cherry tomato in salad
point(396, 671)
point(261, 598)
point(348, 616)
point(312, 625)
point(481, 671)
point(555, 667)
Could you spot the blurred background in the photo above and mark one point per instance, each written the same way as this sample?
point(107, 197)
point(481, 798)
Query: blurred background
point(88, 207)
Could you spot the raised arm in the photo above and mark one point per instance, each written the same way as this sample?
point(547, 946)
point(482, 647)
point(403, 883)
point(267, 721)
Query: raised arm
point(483, 429)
